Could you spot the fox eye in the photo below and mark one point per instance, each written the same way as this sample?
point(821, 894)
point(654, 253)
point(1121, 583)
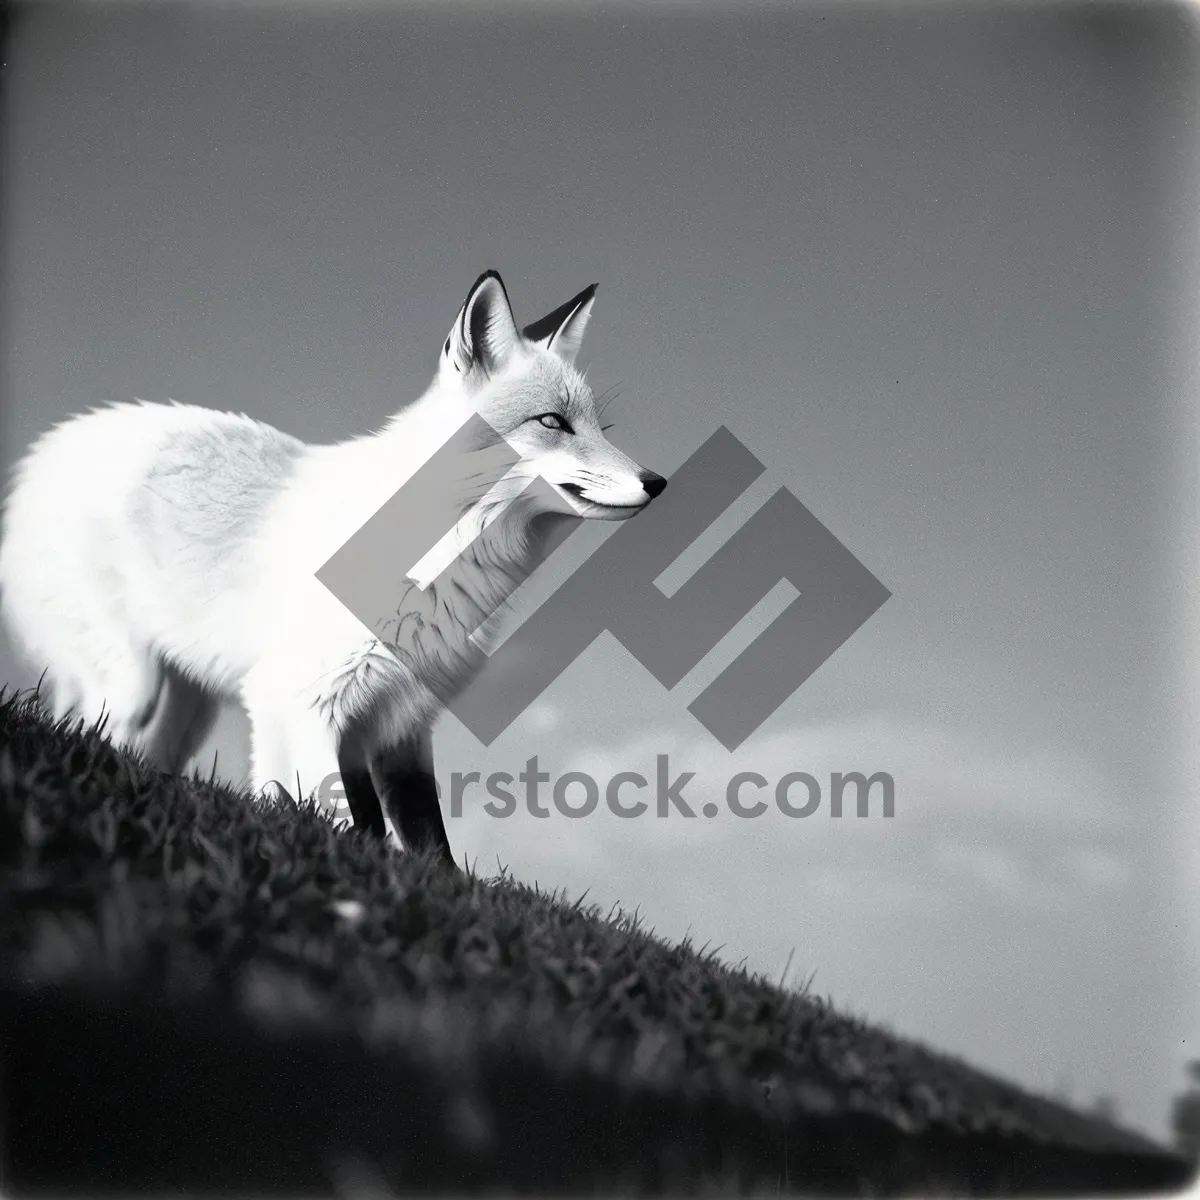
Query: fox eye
point(555, 421)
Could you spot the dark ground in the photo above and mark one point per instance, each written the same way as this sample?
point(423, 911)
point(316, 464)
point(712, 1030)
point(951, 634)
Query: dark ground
point(187, 1005)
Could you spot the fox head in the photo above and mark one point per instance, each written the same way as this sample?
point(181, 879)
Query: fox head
point(524, 384)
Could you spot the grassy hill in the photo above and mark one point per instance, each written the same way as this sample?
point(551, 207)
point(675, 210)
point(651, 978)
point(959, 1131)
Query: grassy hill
point(198, 992)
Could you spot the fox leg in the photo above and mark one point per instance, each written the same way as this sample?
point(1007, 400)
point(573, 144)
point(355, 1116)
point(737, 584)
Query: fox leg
point(184, 717)
point(124, 688)
point(296, 750)
point(66, 696)
point(293, 746)
point(306, 753)
point(268, 746)
point(360, 792)
point(404, 780)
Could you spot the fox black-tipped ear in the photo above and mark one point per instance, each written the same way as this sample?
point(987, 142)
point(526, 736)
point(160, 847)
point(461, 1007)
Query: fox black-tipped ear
point(485, 333)
point(562, 330)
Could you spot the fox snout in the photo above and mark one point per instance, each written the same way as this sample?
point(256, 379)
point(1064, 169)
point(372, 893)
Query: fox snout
point(650, 480)
point(588, 503)
point(653, 483)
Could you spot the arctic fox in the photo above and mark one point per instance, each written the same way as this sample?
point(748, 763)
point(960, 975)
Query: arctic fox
point(157, 559)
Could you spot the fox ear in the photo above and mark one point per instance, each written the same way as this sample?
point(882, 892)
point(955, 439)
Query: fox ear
point(485, 333)
point(562, 330)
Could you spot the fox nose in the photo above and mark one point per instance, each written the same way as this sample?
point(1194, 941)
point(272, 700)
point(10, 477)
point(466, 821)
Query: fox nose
point(653, 483)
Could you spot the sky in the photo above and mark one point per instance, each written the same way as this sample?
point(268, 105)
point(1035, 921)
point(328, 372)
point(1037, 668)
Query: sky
point(922, 260)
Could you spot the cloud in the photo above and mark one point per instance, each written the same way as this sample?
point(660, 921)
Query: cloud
point(938, 771)
point(974, 820)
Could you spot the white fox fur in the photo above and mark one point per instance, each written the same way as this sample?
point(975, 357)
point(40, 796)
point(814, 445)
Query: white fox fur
point(157, 559)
